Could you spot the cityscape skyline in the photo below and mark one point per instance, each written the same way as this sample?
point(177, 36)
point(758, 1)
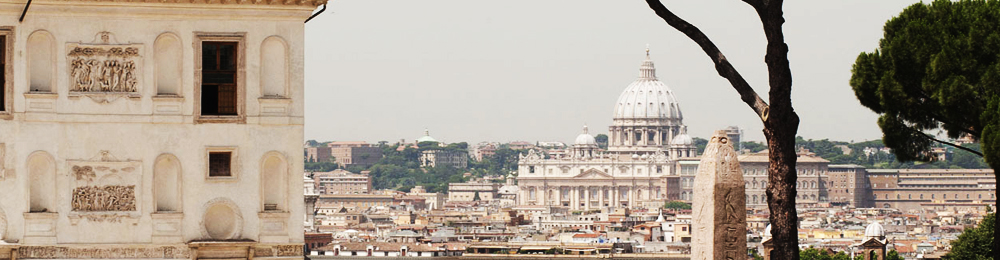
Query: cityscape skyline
point(432, 73)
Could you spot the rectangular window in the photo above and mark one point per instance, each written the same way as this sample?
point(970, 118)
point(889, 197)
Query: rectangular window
point(3, 74)
point(220, 81)
point(218, 78)
point(220, 164)
point(6, 68)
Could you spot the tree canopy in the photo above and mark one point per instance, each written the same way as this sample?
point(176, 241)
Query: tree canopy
point(937, 68)
point(974, 243)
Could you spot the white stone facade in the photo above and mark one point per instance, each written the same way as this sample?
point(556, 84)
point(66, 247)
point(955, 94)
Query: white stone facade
point(639, 169)
point(107, 130)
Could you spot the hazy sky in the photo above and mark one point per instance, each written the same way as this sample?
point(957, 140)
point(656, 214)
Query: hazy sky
point(538, 70)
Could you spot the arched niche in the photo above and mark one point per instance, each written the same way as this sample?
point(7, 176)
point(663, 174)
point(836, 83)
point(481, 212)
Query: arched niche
point(167, 183)
point(274, 67)
point(3, 225)
point(42, 179)
point(41, 57)
point(168, 57)
point(273, 170)
point(222, 220)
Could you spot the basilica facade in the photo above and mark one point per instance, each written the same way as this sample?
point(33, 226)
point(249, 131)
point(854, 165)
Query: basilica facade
point(638, 170)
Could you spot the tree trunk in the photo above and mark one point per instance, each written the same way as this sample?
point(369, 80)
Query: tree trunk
point(780, 121)
point(780, 130)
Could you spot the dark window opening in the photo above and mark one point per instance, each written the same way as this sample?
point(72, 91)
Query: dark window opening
point(219, 164)
point(3, 71)
point(218, 78)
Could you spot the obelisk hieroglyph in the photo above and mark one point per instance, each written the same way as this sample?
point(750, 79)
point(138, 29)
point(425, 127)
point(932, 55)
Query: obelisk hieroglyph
point(719, 212)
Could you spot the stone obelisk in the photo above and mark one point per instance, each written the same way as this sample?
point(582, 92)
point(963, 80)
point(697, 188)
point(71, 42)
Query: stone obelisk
point(719, 211)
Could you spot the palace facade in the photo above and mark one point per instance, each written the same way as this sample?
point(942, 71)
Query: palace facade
point(638, 169)
point(152, 129)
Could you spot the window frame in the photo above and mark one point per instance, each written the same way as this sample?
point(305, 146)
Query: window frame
point(7, 102)
point(234, 169)
point(240, 39)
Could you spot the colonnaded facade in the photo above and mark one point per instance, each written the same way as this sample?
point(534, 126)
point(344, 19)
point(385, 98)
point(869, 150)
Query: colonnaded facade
point(638, 169)
point(152, 129)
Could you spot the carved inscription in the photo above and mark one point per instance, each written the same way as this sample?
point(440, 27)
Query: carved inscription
point(103, 69)
point(104, 198)
point(50, 252)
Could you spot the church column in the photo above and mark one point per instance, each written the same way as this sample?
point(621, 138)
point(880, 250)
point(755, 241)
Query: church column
point(600, 196)
point(558, 196)
point(631, 196)
point(573, 198)
point(586, 198)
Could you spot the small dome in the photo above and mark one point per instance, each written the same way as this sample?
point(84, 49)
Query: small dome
point(683, 138)
point(767, 231)
point(585, 138)
point(427, 137)
point(875, 230)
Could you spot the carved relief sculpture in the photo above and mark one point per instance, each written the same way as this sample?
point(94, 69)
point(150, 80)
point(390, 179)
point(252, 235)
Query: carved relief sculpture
point(104, 198)
point(103, 66)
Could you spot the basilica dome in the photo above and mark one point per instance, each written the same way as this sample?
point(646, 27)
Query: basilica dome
point(647, 97)
point(683, 138)
point(585, 138)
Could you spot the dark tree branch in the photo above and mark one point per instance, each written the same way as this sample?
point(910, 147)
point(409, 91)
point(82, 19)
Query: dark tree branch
point(757, 4)
point(925, 135)
point(722, 65)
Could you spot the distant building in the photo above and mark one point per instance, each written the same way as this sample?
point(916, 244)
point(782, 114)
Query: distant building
point(357, 201)
point(916, 189)
point(484, 150)
point(349, 154)
point(434, 200)
point(317, 154)
point(847, 185)
point(810, 186)
point(735, 134)
point(467, 191)
point(435, 158)
point(342, 182)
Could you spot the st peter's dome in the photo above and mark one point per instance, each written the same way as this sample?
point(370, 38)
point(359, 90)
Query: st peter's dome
point(647, 97)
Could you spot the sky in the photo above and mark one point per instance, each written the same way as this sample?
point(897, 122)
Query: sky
point(530, 70)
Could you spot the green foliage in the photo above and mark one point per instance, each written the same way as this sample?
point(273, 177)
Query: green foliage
point(990, 139)
point(974, 243)
point(829, 150)
point(817, 254)
point(676, 205)
point(754, 146)
point(893, 255)
point(320, 166)
point(602, 141)
point(700, 143)
point(936, 68)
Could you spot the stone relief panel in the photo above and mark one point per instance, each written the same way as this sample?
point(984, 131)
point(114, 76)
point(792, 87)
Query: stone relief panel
point(104, 69)
point(104, 188)
point(90, 252)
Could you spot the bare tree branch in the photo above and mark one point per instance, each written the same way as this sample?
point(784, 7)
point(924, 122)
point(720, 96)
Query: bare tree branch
point(722, 65)
point(950, 144)
point(757, 4)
